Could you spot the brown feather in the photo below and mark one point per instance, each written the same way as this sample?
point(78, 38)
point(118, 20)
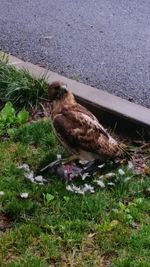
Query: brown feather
point(79, 130)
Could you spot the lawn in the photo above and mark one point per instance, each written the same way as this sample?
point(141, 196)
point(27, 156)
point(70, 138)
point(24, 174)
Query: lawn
point(54, 227)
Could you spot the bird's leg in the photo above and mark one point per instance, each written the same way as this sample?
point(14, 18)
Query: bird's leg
point(70, 159)
point(51, 165)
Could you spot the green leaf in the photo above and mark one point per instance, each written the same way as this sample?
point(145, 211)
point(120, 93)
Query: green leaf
point(23, 116)
point(11, 132)
point(7, 112)
point(122, 206)
point(66, 198)
point(48, 198)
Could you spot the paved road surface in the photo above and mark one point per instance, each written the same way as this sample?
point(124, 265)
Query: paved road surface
point(103, 43)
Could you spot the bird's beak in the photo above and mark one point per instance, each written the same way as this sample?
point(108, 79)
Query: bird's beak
point(64, 86)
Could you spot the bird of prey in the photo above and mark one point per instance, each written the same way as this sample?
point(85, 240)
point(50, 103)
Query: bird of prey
point(78, 129)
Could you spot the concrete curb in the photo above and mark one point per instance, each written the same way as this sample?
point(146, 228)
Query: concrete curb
point(103, 104)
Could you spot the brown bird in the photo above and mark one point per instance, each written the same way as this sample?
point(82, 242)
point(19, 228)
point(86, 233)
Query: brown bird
point(78, 129)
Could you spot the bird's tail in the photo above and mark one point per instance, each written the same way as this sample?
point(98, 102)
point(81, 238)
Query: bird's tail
point(118, 150)
point(125, 150)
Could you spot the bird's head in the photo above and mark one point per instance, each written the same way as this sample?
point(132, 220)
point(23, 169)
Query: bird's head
point(57, 91)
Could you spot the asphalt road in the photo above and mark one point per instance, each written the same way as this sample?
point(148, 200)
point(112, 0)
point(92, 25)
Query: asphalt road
point(103, 43)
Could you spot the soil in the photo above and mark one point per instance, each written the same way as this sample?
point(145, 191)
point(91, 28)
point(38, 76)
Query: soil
point(5, 221)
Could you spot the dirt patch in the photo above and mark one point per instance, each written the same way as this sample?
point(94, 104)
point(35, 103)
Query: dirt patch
point(11, 257)
point(42, 110)
point(108, 258)
point(141, 159)
point(5, 221)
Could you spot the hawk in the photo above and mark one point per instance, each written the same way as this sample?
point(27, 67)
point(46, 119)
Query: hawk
point(78, 129)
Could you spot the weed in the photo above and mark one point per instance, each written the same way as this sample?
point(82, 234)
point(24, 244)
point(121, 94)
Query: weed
point(8, 118)
point(19, 87)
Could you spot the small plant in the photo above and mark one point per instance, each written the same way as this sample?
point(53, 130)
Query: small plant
point(107, 226)
point(66, 199)
point(125, 212)
point(8, 118)
point(48, 198)
point(19, 87)
point(3, 57)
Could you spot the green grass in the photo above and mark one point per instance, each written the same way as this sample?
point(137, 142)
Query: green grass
point(19, 87)
point(54, 227)
point(70, 229)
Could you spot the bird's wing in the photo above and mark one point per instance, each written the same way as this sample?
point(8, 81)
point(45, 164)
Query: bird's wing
point(78, 128)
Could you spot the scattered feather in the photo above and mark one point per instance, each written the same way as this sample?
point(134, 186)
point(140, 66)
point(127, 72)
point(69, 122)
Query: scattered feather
point(88, 188)
point(111, 184)
point(69, 188)
point(100, 183)
point(121, 172)
point(29, 174)
point(24, 166)
point(130, 165)
point(84, 175)
point(24, 195)
point(74, 189)
point(101, 166)
point(127, 179)
point(107, 175)
point(39, 179)
point(59, 156)
point(80, 189)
